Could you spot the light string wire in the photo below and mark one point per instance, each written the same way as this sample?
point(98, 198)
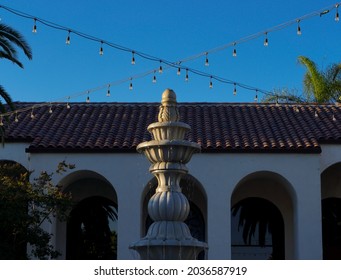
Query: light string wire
point(178, 64)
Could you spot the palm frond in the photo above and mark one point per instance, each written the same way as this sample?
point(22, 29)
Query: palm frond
point(4, 94)
point(15, 37)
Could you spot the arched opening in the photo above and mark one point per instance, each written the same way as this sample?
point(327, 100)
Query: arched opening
point(331, 212)
point(262, 217)
point(196, 219)
point(259, 232)
point(91, 230)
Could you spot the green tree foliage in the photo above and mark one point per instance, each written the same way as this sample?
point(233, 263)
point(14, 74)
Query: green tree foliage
point(24, 206)
point(319, 86)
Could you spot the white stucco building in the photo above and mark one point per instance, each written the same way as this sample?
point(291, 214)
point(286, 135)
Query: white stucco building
point(285, 154)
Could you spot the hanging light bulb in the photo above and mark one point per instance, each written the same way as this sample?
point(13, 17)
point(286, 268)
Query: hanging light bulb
point(50, 109)
point(160, 68)
point(211, 84)
point(154, 78)
point(299, 32)
point(334, 119)
point(1, 122)
point(234, 89)
point(67, 41)
point(32, 114)
point(133, 58)
point(108, 91)
point(206, 60)
point(101, 49)
point(256, 97)
point(16, 119)
point(337, 18)
point(266, 41)
point(179, 71)
point(67, 103)
point(186, 77)
point(131, 84)
point(87, 99)
point(34, 29)
point(234, 51)
point(316, 114)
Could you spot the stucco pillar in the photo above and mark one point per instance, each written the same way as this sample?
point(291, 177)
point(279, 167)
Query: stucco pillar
point(307, 217)
point(128, 224)
point(218, 187)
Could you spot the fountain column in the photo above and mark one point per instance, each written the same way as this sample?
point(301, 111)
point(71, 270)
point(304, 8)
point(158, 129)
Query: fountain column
point(168, 237)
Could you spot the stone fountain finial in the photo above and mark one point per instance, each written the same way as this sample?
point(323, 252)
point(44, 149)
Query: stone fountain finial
point(168, 237)
point(168, 110)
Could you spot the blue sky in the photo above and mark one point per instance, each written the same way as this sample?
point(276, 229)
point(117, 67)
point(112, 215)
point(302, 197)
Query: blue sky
point(169, 30)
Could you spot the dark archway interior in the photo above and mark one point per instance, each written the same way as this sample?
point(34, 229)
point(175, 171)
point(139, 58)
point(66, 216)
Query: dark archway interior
point(91, 232)
point(331, 228)
point(259, 220)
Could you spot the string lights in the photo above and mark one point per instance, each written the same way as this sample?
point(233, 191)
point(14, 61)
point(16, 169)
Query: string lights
point(160, 67)
point(337, 18)
point(186, 77)
point(68, 41)
point(101, 49)
point(34, 29)
point(154, 78)
point(108, 91)
point(299, 32)
point(133, 58)
point(266, 40)
point(206, 60)
point(178, 64)
point(234, 53)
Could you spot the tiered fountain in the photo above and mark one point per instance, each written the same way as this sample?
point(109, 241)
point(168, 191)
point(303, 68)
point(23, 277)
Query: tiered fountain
point(168, 237)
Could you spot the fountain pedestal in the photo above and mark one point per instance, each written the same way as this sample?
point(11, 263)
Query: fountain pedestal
point(168, 237)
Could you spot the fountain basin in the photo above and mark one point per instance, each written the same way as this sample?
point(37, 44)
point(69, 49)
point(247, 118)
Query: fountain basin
point(168, 150)
point(168, 240)
point(168, 130)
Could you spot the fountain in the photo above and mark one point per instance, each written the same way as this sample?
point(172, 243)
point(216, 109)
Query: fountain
point(168, 237)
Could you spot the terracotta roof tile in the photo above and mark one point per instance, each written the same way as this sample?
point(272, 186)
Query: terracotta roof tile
point(225, 127)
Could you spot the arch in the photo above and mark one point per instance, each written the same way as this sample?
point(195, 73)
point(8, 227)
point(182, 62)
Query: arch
point(197, 218)
point(272, 188)
point(331, 211)
point(91, 193)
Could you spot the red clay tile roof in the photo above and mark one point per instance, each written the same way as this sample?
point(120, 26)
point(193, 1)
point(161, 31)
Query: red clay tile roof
point(217, 127)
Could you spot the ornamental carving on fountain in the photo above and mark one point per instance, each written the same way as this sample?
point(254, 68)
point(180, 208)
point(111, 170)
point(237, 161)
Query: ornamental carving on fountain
point(168, 237)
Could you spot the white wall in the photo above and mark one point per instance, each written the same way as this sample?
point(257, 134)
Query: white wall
point(219, 174)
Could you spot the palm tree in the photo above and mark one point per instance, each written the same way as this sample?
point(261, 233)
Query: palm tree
point(10, 40)
point(321, 86)
point(257, 218)
point(318, 86)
